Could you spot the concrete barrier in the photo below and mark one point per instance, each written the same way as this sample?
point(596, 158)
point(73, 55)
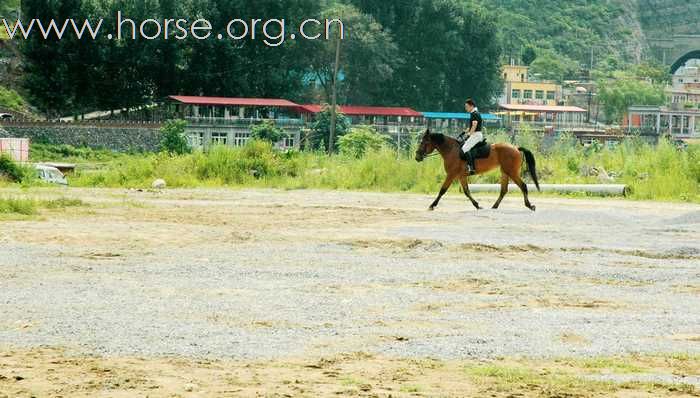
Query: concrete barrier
point(591, 189)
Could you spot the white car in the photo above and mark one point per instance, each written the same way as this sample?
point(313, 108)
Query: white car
point(50, 174)
point(5, 116)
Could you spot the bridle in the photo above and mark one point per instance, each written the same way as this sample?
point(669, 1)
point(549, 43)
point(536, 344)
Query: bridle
point(433, 154)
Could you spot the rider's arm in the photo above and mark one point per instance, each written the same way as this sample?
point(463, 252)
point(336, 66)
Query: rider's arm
point(473, 127)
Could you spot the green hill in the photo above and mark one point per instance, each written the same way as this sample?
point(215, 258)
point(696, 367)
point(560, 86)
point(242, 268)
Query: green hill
point(578, 30)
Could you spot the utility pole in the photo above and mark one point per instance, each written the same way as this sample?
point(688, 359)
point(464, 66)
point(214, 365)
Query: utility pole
point(334, 100)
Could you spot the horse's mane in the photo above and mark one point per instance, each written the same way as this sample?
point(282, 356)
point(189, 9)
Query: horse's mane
point(438, 139)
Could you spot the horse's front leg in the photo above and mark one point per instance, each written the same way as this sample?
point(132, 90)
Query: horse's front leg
point(443, 190)
point(465, 187)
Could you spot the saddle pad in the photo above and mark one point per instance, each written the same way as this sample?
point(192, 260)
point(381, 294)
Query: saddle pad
point(481, 150)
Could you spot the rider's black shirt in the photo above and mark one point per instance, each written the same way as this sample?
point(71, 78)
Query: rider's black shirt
point(475, 116)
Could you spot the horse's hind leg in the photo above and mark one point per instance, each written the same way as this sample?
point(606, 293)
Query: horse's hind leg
point(465, 187)
point(523, 187)
point(504, 189)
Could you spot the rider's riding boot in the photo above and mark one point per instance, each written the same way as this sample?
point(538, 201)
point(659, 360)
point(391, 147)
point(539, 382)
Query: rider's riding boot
point(469, 163)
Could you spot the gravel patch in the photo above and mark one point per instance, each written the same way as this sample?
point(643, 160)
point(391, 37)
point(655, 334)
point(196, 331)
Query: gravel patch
point(266, 274)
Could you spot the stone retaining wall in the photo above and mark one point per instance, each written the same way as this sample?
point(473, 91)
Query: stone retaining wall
point(116, 138)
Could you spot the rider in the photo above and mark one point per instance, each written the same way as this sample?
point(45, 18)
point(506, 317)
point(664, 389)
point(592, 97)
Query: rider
point(475, 133)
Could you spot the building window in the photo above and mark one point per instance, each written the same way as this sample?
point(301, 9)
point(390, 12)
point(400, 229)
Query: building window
point(240, 139)
point(219, 138)
point(196, 140)
point(515, 94)
point(527, 94)
point(289, 142)
point(551, 95)
point(539, 94)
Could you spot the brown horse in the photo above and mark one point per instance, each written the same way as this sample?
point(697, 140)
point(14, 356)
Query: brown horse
point(506, 156)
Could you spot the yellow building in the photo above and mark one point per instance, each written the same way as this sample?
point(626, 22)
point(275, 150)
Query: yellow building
point(515, 73)
point(519, 90)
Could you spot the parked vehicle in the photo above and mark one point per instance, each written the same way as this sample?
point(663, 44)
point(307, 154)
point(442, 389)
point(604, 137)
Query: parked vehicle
point(51, 175)
point(5, 116)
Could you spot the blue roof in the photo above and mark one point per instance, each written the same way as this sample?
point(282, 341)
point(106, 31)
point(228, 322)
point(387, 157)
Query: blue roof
point(457, 115)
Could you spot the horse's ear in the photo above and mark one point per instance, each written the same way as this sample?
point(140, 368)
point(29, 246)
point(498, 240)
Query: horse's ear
point(427, 132)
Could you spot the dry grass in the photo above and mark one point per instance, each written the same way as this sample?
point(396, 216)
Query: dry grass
point(49, 372)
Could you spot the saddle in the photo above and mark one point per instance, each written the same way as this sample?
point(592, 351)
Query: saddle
point(481, 150)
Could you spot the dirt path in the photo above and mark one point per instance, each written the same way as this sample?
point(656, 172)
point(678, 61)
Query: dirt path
point(262, 275)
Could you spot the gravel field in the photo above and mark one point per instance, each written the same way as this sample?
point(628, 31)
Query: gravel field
point(265, 275)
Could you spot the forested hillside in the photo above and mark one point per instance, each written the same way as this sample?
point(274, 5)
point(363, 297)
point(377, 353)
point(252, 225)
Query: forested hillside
point(568, 28)
point(662, 17)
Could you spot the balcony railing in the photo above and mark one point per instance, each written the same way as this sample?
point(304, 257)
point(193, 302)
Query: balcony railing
point(243, 122)
point(554, 125)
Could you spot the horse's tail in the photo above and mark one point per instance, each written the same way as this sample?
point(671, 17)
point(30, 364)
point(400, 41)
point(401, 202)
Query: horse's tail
point(530, 160)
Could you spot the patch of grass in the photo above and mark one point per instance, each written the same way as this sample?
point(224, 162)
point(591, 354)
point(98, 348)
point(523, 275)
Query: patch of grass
point(611, 364)
point(351, 381)
point(569, 377)
point(40, 152)
point(412, 388)
point(544, 382)
point(27, 207)
point(62, 203)
point(30, 206)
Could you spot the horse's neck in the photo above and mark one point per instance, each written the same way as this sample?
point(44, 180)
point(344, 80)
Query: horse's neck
point(448, 146)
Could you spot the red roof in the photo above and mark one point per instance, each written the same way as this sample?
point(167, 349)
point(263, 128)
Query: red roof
point(541, 108)
point(194, 100)
point(352, 110)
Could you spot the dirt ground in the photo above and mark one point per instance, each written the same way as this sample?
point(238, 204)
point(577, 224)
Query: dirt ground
point(315, 293)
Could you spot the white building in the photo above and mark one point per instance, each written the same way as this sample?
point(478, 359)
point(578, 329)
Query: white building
point(685, 88)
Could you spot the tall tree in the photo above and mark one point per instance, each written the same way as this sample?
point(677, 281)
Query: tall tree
point(368, 57)
point(617, 95)
point(450, 51)
point(47, 72)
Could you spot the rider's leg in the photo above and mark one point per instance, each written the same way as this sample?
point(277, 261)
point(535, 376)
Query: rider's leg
point(473, 139)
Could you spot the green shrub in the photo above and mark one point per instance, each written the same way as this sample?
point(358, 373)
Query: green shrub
point(10, 99)
point(10, 169)
point(173, 138)
point(321, 127)
point(361, 140)
point(267, 131)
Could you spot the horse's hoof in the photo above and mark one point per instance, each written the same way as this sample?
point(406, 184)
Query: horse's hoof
point(431, 208)
point(533, 208)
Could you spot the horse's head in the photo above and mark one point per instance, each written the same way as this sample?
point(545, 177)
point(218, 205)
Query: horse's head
point(426, 147)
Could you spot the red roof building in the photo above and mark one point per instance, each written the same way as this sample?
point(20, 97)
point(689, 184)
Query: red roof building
point(234, 108)
point(224, 101)
point(354, 110)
